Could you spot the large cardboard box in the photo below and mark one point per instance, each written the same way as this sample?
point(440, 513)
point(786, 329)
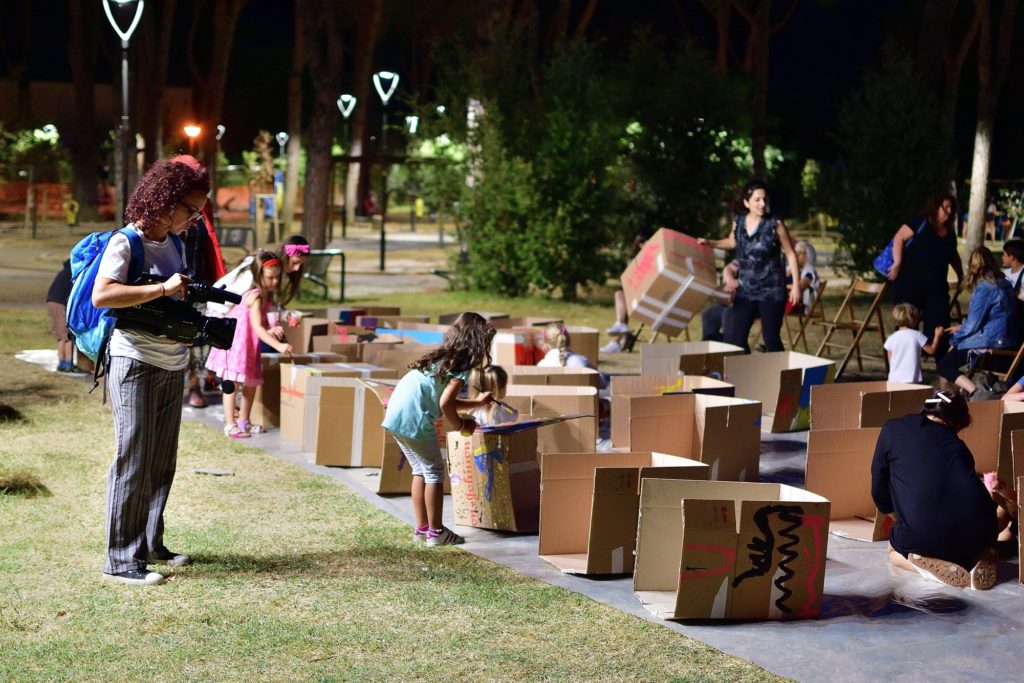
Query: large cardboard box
point(300, 394)
point(589, 504)
point(689, 358)
point(414, 332)
point(395, 470)
point(524, 321)
point(342, 420)
point(850, 405)
point(654, 385)
point(562, 377)
point(495, 480)
point(266, 404)
point(301, 336)
point(397, 357)
point(348, 314)
point(585, 341)
point(669, 281)
point(839, 464)
point(723, 432)
point(782, 382)
point(375, 321)
point(1020, 537)
point(571, 436)
point(724, 550)
point(516, 346)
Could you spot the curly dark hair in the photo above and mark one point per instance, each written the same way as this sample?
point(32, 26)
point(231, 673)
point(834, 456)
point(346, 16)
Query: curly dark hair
point(466, 345)
point(162, 188)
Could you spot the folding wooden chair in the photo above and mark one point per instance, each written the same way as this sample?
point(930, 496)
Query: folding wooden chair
point(816, 312)
point(1014, 355)
point(846, 319)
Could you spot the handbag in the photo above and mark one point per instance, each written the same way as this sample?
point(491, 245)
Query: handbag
point(883, 262)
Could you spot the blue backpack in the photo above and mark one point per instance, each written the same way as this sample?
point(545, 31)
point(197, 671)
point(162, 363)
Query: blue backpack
point(92, 326)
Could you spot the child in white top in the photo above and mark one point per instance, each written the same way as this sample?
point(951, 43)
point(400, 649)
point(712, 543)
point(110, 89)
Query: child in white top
point(806, 258)
point(904, 346)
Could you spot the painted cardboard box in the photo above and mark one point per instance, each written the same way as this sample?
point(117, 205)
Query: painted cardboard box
point(689, 358)
point(516, 346)
point(524, 321)
point(669, 282)
point(348, 314)
point(266, 405)
point(571, 436)
point(724, 550)
point(589, 503)
point(839, 464)
point(782, 382)
point(723, 432)
point(495, 480)
point(562, 377)
point(300, 394)
point(375, 321)
point(655, 385)
point(433, 334)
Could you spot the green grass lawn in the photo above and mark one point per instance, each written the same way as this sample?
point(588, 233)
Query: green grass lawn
point(297, 578)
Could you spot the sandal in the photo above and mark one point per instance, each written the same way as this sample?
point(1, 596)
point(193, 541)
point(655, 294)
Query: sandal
point(233, 431)
point(195, 399)
point(942, 571)
point(250, 427)
point(983, 575)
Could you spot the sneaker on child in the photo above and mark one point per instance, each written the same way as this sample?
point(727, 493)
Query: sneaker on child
point(618, 328)
point(443, 536)
point(612, 347)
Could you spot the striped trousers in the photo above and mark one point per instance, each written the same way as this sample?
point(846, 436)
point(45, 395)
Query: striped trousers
point(146, 403)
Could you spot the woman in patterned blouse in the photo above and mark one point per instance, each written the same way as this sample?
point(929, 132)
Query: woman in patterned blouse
point(760, 239)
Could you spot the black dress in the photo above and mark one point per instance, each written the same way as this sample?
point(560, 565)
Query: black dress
point(925, 474)
point(923, 279)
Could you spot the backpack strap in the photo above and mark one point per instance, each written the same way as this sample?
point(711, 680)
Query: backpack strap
point(138, 259)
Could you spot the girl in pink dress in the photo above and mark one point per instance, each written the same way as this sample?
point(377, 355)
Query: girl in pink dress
point(241, 363)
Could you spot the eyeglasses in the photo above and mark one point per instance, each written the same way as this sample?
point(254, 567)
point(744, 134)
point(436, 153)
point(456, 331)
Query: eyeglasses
point(194, 213)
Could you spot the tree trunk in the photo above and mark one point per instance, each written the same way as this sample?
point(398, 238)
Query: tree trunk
point(291, 179)
point(366, 41)
point(761, 35)
point(321, 28)
point(83, 37)
point(156, 30)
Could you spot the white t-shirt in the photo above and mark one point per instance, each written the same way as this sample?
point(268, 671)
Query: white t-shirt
point(572, 360)
point(238, 280)
point(807, 295)
point(1013, 277)
point(162, 260)
point(905, 345)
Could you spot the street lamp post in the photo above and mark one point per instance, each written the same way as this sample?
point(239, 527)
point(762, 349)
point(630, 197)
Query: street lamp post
point(385, 96)
point(413, 123)
point(192, 131)
point(123, 151)
point(346, 104)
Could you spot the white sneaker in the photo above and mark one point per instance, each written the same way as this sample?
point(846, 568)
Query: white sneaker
point(618, 328)
point(612, 347)
point(135, 577)
point(444, 536)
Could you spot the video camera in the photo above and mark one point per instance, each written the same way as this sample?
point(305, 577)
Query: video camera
point(178, 320)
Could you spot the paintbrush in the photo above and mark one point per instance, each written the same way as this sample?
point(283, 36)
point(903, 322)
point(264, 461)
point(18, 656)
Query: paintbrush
point(511, 413)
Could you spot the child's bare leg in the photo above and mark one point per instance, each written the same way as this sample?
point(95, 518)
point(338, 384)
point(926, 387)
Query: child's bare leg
point(433, 495)
point(418, 506)
point(228, 403)
point(248, 394)
point(621, 315)
point(897, 560)
point(965, 383)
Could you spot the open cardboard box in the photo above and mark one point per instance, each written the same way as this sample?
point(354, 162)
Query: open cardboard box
point(658, 385)
point(516, 346)
point(563, 377)
point(414, 332)
point(669, 281)
point(300, 395)
point(722, 432)
point(266, 404)
point(301, 336)
point(523, 321)
point(571, 436)
point(585, 341)
point(495, 480)
point(839, 465)
point(375, 321)
point(342, 421)
point(690, 358)
point(589, 504)
point(724, 550)
point(782, 382)
point(348, 314)
point(849, 405)
point(398, 357)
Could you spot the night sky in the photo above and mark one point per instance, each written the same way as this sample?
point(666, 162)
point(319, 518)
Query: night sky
point(817, 59)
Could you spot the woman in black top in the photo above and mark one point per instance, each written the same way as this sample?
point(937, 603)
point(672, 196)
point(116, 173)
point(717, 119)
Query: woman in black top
point(923, 476)
point(759, 239)
point(919, 270)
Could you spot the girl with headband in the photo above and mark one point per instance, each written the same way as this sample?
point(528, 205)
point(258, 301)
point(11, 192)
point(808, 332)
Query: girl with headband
point(241, 363)
point(292, 256)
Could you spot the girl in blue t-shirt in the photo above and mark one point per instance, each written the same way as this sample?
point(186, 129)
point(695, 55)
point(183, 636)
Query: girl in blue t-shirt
point(429, 390)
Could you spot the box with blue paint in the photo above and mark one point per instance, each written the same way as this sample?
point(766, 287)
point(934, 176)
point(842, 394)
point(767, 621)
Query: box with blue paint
point(782, 382)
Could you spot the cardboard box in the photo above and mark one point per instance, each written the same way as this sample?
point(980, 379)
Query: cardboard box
point(561, 377)
point(375, 321)
point(527, 321)
point(495, 480)
point(266, 404)
point(1020, 537)
point(652, 385)
point(449, 318)
point(850, 405)
point(348, 314)
point(585, 341)
point(420, 336)
point(342, 421)
point(395, 471)
point(589, 504)
point(989, 436)
point(397, 357)
point(690, 358)
point(723, 432)
point(573, 436)
point(300, 395)
point(516, 346)
point(669, 281)
point(782, 382)
point(351, 351)
point(723, 550)
point(301, 336)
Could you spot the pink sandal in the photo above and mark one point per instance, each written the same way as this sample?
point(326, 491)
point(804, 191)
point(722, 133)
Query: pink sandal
point(233, 431)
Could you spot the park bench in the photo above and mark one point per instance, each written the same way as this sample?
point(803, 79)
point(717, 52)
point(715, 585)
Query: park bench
point(317, 267)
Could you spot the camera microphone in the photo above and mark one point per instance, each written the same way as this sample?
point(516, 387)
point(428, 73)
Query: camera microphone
point(227, 386)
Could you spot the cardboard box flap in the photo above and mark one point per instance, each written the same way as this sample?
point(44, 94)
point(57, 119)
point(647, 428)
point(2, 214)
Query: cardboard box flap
point(839, 469)
point(850, 405)
point(558, 466)
point(536, 390)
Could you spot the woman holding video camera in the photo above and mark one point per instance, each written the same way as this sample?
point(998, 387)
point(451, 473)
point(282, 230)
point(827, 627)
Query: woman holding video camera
point(146, 373)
